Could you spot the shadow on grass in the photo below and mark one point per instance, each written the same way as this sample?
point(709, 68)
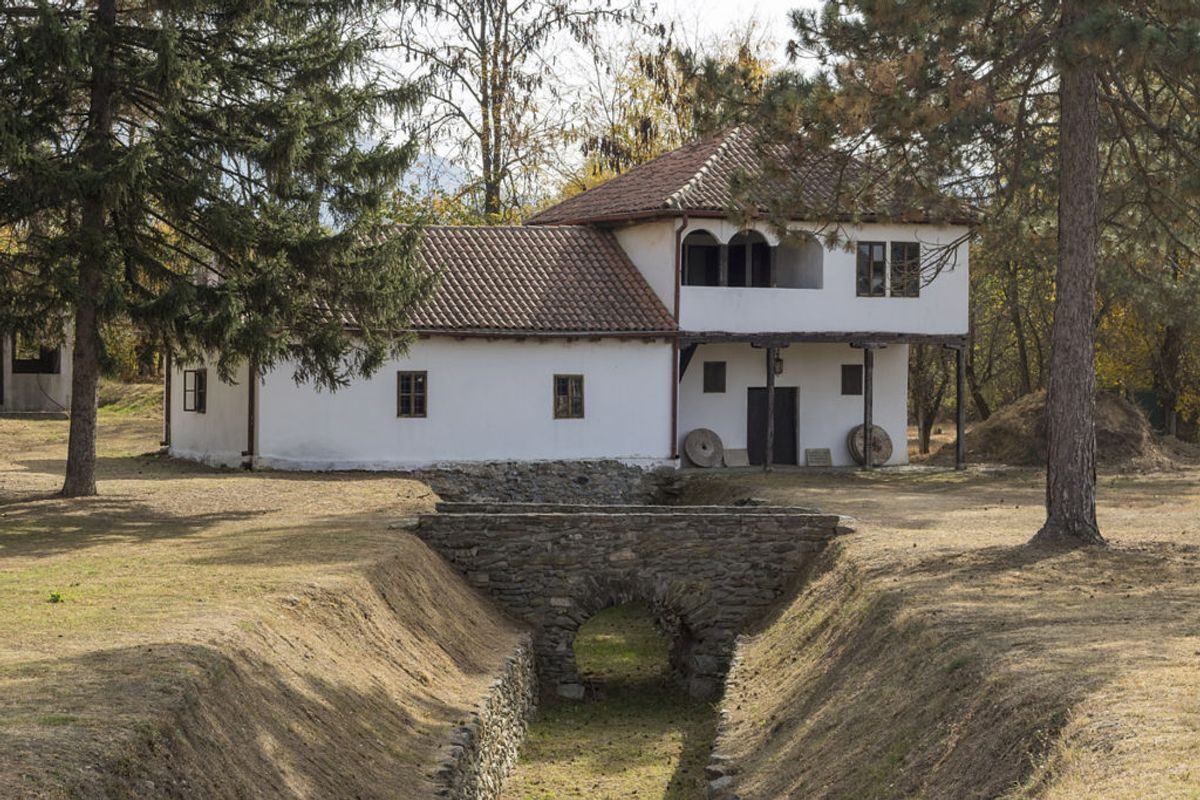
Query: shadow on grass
point(47, 525)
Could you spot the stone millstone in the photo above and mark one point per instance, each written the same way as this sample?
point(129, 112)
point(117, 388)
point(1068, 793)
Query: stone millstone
point(881, 445)
point(703, 448)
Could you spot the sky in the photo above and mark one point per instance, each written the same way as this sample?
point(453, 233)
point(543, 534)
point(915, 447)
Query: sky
point(714, 17)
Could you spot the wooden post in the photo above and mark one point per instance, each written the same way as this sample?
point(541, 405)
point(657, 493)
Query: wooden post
point(724, 262)
point(251, 413)
point(868, 406)
point(960, 410)
point(769, 457)
point(167, 368)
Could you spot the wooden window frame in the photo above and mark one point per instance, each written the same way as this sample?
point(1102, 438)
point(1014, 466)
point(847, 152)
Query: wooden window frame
point(414, 396)
point(848, 382)
point(574, 385)
point(718, 376)
point(198, 393)
point(909, 285)
point(872, 265)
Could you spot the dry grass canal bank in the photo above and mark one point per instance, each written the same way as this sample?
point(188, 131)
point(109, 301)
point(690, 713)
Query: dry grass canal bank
point(203, 633)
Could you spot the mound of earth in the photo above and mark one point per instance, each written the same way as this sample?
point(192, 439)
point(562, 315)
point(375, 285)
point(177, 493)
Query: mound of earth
point(1016, 435)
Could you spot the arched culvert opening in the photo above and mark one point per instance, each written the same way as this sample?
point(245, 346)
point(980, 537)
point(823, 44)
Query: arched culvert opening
point(635, 733)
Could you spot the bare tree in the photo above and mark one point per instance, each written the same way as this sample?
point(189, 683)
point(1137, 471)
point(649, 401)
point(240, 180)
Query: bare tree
point(496, 95)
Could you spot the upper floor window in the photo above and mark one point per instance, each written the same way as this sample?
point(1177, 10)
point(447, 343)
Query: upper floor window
point(568, 397)
point(701, 259)
point(412, 394)
point(872, 269)
point(195, 390)
point(879, 276)
point(906, 269)
point(31, 358)
point(749, 260)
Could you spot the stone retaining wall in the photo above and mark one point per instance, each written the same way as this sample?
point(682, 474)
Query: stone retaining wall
point(483, 751)
point(446, 507)
point(706, 573)
point(550, 481)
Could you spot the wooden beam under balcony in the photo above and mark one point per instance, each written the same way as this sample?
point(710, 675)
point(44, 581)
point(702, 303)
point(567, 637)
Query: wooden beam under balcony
point(858, 338)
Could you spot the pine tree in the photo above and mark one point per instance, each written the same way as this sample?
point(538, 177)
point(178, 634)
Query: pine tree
point(958, 96)
point(204, 169)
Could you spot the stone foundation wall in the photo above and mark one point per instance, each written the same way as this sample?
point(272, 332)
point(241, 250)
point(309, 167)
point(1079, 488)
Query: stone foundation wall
point(706, 573)
point(483, 751)
point(551, 481)
point(569, 508)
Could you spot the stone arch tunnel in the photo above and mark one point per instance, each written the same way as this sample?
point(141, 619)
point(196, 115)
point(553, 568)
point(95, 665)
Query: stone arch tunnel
point(706, 572)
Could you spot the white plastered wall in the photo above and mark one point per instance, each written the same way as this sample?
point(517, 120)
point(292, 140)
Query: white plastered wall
point(40, 392)
point(835, 307)
point(826, 416)
point(489, 400)
point(651, 248)
point(219, 435)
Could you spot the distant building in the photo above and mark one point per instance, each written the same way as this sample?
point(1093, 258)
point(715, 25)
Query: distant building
point(34, 377)
point(612, 325)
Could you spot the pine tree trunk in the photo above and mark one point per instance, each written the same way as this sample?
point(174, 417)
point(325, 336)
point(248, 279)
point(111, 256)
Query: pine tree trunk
point(81, 445)
point(1071, 392)
point(1014, 313)
point(1166, 369)
point(981, 404)
point(85, 378)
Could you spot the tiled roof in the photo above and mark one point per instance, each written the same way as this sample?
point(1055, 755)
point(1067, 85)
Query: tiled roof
point(697, 178)
point(562, 279)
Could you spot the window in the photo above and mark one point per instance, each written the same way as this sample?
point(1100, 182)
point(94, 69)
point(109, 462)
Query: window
point(749, 260)
point(701, 260)
point(195, 390)
point(714, 377)
point(568, 397)
point(412, 394)
point(906, 269)
point(872, 269)
point(852, 378)
point(29, 358)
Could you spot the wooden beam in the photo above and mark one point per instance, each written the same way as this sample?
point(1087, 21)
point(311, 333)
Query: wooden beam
point(858, 338)
point(960, 410)
point(868, 406)
point(769, 457)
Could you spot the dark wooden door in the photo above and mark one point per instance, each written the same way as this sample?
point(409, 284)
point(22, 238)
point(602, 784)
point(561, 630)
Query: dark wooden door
point(785, 425)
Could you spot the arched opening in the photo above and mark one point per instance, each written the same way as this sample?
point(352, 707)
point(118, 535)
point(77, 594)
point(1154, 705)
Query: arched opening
point(636, 732)
point(749, 260)
point(701, 259)
point(801, 264)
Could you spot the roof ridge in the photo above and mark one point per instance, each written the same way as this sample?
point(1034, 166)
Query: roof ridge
point(674, 200)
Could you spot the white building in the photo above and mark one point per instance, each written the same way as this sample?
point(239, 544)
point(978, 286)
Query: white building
point(610, 327)
point(34, 377)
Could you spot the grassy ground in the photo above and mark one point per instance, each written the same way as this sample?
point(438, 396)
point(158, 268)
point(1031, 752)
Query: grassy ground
point(936, 656)
point(637, 735)
point(339, 645)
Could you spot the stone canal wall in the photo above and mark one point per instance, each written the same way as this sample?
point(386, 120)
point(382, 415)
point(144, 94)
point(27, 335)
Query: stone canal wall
point(706, 572)
point(483, 750)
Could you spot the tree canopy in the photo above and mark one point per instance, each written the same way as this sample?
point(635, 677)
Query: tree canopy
point(1012, 104)
point(216, 171)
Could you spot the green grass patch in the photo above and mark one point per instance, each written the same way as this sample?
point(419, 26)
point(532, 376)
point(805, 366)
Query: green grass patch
point(637, 734)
